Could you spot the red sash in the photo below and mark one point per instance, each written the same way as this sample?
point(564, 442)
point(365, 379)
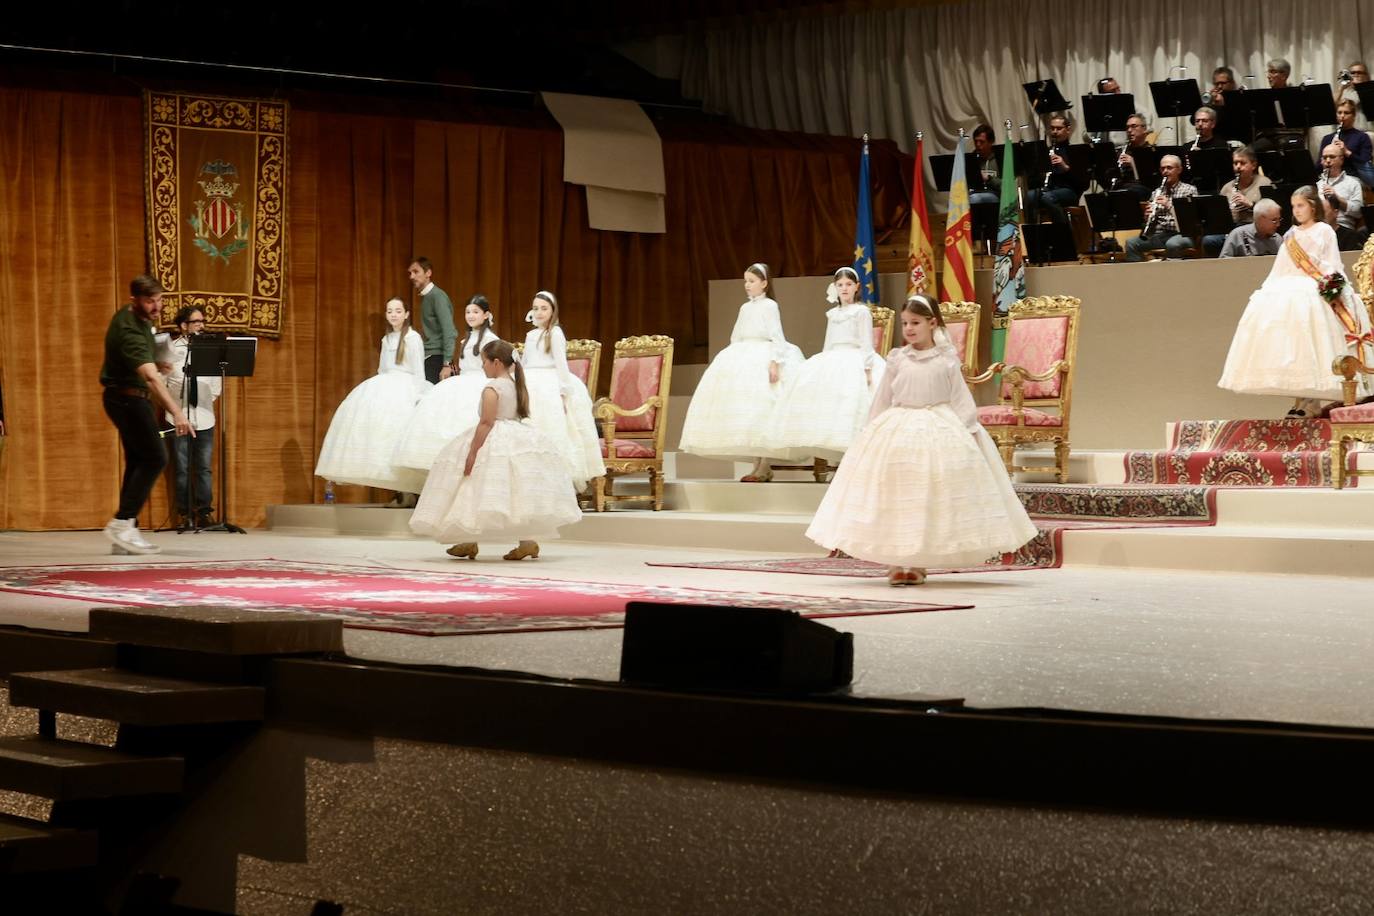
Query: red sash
point(1347, 320)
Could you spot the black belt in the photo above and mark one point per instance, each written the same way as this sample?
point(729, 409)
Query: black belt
point(128, 391)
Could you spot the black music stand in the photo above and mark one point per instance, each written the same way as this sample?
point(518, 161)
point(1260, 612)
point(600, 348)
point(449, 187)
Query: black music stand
point(1319, 105)
point(1365, 93)
point(1206, 214)
point(1282, 194)
point(1209, 169)
point(942, 171)
point(1103, 114)
point(226, 357)
point(1045, 98)
point(1176, 99)
point(985, 223)
point(1049, 242)
point(1117, 211)
point(1290, 165)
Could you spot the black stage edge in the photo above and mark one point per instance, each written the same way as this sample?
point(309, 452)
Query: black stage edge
point(924, 747)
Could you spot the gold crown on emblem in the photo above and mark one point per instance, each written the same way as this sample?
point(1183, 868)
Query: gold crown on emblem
point(218, 186)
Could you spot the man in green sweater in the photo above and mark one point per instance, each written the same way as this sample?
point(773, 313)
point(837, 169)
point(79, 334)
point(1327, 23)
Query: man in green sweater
point(436, 321)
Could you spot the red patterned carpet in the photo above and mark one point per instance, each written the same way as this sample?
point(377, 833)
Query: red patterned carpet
point(402, 600)
point(1239, 453)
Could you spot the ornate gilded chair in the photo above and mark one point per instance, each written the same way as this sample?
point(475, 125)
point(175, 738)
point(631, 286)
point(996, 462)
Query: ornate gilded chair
point(961, 322)
point(1353, 422)
point(1037, 378)
point(584, 361)
point(884, 326)
point(634, 416)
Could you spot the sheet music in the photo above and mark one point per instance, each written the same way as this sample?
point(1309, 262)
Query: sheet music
point(162, 348)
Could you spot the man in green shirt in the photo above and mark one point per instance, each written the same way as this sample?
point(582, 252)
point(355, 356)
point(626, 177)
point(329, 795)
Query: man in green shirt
point(436, 321)
point(132, 383)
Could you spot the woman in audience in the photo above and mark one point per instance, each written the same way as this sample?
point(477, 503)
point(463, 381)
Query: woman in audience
point(451, 408)
point(922, 485)
point(732, 408)
point(503, 479)
point(362, 436)
point(824, 409)
point(1304, 316)
point(559, 402)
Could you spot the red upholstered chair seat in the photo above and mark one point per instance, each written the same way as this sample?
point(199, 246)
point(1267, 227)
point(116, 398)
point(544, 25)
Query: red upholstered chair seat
point(1003, 415)
point(1356, 413)
point(630, 448)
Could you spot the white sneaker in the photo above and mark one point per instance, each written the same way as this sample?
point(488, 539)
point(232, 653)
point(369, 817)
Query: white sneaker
point(125, 536)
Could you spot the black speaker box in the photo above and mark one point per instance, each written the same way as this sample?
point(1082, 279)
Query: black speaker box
point(733, 648)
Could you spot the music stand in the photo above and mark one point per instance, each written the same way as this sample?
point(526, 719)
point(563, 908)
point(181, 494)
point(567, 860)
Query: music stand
point(1116, 211)
point(1176, 99)
point(1290, 165)
point(1365, 93)
point(1212, 166)
point(1206, 214)
point(942, 171)
point(1319, 105)
point(1049, 242)
point(1103, 114)
point(985, 223)
point(226, 357)
point(1282, 194)
point(1045, 98)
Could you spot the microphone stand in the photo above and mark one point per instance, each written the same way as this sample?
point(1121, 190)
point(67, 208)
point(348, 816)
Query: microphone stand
point(190, 387)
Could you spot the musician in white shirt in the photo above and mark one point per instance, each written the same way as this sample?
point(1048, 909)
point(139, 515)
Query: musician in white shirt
point(1342, 198)
point(193, 504)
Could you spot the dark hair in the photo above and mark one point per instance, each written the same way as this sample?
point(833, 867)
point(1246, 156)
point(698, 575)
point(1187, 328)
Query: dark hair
point(1308, 193)
point(424, 263)
point(984, 129)
point(504, 354)
point(1230, 74)
point(481, 302)
point(1102, 83)
point(1061, 116)
point(924, 306)
point(144, 285)
point(184, 314)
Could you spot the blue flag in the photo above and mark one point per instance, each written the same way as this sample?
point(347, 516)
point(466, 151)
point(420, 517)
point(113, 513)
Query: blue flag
point(863, 236)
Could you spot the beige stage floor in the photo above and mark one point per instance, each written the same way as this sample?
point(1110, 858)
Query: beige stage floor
point(1276, 647)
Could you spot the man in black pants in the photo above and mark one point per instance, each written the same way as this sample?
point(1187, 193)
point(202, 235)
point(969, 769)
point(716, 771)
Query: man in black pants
point(132, 382)
point(436, 321)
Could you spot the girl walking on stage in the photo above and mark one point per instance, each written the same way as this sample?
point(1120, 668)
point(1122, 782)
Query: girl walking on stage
point(503, 479)
point(823, 410)
point(559, 402)
point(1302, 318)
point(922, 485)
point(451, 407)
point(732, 408)
point(362, 436)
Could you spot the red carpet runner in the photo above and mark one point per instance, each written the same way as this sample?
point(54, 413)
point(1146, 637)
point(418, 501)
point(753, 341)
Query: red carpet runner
point(1239, 453)
point(411, 601)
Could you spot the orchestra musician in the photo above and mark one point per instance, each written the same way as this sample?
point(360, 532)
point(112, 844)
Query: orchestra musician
point(1342, 199)
point(1131, 167)
point(1357, 72)
point(1062, 184)
point(1358, 149)
point(989, 170)
point(1242, 194)
point(1161, 223)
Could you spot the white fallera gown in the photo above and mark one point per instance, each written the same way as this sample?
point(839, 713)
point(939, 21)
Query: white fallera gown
point(922, 485)
point(450, 409)
point(1289, 335)
point(551, 386)
point(362, 436)
point(821, 412)
point(518, 489)
point(732, 409)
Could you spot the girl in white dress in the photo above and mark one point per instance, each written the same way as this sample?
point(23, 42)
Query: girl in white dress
point(502, 479)
point(823, 410)
point(559, 402)
point(451, 408)
point(362, 435)
point(922, 485)
point(731, 410)
point(1289, 335)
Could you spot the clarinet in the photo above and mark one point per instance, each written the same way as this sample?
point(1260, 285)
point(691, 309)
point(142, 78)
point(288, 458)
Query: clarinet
point(1154, 207)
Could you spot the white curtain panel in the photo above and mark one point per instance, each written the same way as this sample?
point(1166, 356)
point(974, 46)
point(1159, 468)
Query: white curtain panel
point(938, 68)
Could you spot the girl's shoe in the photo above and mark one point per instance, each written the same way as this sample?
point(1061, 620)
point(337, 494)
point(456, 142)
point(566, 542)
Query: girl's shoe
point(468, 550)
point(896, 577)
point(523, 549)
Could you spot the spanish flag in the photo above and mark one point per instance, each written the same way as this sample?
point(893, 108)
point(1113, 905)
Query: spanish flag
point(920, 253)
point(956, 283)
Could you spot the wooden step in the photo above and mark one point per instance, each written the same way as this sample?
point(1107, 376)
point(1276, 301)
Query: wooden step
point(218, 630)
point(28, 846)
point(72, 770)
point(136, 699)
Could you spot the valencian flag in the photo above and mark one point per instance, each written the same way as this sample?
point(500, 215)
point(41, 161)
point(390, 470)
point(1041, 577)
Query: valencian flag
point(956, 282)
point(863, 236)
point(920, 253)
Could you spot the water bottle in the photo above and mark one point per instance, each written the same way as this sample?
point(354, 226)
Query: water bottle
point(329, 491)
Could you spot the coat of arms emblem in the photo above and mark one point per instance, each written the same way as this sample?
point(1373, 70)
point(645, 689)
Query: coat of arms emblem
point(219, 215)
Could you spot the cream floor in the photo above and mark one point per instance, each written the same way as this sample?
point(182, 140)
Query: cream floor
point(1278, 647)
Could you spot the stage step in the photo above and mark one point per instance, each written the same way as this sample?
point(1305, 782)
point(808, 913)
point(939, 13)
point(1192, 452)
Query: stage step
point(30, 846)
point(218, 630)
point(71, 770)
point(136, 699)
point(1324, 552)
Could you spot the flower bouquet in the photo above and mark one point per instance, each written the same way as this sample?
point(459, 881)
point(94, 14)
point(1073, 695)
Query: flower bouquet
point(1330, 286)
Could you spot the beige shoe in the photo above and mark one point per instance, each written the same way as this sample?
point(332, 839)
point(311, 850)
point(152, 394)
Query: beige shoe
point(468, 551)
point(523, 549)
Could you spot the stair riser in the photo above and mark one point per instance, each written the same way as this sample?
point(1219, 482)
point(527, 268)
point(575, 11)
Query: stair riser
point(183, 708)
point(78, 782)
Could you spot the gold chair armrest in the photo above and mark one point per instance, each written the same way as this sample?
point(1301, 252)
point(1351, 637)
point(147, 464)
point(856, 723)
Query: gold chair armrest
point(986, 374)
point(607, 409)
point(1027, 376)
